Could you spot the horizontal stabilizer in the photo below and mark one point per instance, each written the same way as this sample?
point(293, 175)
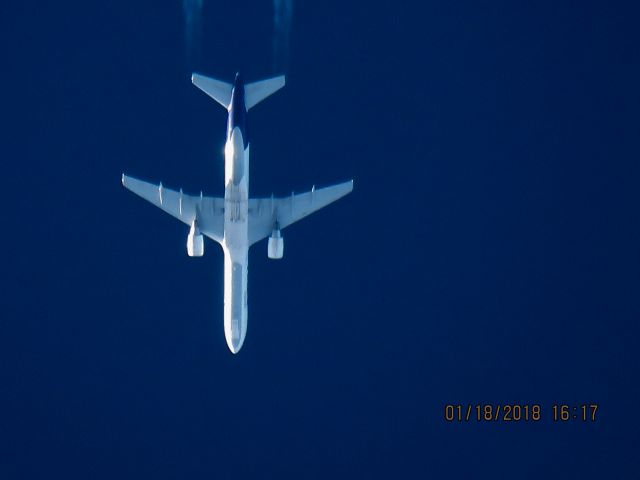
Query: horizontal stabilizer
point(258, 91)
point(216, 89)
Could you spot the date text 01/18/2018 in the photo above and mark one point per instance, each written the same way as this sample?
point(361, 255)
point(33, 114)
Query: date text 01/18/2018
point(518, 413)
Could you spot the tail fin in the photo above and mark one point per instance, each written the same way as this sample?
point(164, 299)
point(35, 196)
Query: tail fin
point(256, 92)
point(219, 91)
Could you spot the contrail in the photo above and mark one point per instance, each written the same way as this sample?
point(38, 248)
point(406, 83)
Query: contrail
point(193, 30)
point(282, 15)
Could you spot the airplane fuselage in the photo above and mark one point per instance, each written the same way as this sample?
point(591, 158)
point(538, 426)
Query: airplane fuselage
point(230, 221)
point(235, 243)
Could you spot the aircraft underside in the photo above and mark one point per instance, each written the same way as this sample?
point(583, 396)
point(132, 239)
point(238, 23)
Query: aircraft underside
point(236, 221)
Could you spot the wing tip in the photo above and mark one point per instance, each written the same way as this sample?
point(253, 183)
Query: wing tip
point(350, 182)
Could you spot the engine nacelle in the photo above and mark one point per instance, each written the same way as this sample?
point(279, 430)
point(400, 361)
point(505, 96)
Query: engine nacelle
point(275, 249)
point(195, 241)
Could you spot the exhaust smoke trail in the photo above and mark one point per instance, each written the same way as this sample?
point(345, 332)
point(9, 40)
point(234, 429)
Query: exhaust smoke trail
point(192, 10)
point(282, 15)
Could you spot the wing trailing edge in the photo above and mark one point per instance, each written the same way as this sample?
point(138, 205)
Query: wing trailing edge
point(208, 211)
point(265, 212)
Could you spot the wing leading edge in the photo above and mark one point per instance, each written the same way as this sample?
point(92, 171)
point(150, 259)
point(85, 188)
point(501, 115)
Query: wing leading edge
point(265, 212)
point(208, 211)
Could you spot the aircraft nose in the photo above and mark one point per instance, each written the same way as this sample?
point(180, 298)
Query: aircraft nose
point(235, 346)
point(236, 340)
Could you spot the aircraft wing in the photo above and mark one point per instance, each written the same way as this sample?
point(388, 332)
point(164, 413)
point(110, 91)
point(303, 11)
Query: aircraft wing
point(209, 211)
point(265, 212)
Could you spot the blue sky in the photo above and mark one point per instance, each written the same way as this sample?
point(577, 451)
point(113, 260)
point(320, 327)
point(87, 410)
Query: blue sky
point(488, 253)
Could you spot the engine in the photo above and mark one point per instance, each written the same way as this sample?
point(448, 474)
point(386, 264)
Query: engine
point(275, 248)
point(195, 241)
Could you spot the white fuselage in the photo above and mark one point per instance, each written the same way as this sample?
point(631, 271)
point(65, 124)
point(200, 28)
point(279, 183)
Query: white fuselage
point(235, 243)
point(227, 224)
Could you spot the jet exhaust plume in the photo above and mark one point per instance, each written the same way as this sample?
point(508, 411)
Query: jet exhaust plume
point(192, 10)
point(282, 15)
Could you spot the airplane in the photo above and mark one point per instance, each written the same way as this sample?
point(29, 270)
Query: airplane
point(236, 221)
